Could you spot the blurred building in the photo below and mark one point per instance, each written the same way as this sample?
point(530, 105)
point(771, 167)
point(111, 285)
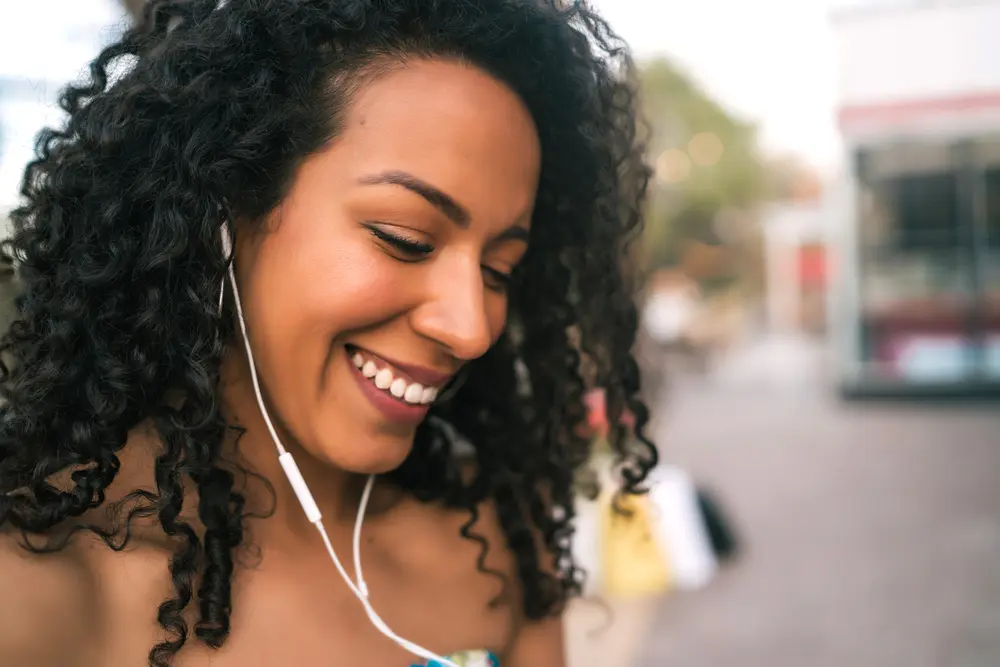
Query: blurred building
point(915, 304)
point(795, 264)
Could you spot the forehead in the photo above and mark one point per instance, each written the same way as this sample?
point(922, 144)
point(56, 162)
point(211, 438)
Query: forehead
point(449, 124)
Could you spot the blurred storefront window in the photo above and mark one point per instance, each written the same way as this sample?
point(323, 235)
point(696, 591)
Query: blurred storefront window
point(929, 302)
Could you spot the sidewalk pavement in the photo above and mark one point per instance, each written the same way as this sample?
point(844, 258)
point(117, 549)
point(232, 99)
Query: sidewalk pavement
point(872, 532)
point(608, 633)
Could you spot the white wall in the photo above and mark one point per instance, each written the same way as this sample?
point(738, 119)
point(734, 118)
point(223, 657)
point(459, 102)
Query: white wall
point(947, 49)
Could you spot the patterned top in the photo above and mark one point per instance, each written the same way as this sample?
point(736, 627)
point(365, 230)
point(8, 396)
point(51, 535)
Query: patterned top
point(468, 659)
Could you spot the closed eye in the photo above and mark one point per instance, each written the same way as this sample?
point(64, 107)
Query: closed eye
point(414, 249)
point(495, 280)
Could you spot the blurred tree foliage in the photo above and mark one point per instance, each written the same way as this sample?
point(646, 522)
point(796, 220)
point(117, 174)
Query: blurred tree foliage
point(709, 173)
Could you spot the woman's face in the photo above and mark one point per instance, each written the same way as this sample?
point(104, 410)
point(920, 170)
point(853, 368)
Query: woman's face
point(382, 272)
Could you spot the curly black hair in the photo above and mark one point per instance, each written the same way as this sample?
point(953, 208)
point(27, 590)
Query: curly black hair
point(204, 110)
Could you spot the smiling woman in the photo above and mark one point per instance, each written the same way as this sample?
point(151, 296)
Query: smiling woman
point(417, 213)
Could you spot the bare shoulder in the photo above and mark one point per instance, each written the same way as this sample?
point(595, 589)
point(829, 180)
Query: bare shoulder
point(530, 643)
point(47, 614)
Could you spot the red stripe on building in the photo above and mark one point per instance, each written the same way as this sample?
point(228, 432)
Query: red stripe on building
point(905, 109)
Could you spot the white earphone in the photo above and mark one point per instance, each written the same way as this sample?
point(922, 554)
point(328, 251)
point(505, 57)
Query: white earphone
point(302, 492)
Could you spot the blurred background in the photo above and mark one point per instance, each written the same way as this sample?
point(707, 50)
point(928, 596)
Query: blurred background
point(820, 328)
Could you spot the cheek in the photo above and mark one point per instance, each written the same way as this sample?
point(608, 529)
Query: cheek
point(315, 286)
point(342, 294)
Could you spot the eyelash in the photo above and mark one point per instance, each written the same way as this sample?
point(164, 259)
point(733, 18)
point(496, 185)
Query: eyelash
point(413, 248)
point(417, 250)
point(502, 279)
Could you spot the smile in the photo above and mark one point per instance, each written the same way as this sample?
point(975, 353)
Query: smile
point(392, 381)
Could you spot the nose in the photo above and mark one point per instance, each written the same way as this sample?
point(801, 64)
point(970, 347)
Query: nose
point(455, 313)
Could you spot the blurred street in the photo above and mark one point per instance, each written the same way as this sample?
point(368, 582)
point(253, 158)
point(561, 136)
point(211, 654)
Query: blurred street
point(871, 531)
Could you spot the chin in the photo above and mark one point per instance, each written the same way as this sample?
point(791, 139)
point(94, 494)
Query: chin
point(371, 454)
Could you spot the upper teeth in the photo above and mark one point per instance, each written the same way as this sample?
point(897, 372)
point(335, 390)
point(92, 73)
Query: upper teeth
point(411, 392)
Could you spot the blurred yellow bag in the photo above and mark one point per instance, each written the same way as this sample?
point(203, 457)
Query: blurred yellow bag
point(634, 561)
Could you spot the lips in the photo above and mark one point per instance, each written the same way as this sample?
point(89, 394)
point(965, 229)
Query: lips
point(393, 388)
point(425, 376)
point(410, 384)
point(387, 379)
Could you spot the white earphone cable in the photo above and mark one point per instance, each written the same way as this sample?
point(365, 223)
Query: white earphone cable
point(358, 586)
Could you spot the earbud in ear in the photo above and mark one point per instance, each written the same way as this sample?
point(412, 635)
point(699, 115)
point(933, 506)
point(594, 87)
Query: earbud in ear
point(226, 237)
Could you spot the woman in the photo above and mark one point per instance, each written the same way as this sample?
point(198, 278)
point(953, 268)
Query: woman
point(380, 236)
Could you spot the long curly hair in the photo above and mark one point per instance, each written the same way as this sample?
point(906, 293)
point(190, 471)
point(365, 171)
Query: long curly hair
point(204, 110)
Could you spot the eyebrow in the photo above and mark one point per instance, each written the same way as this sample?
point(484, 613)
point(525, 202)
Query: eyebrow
point(440, 200)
